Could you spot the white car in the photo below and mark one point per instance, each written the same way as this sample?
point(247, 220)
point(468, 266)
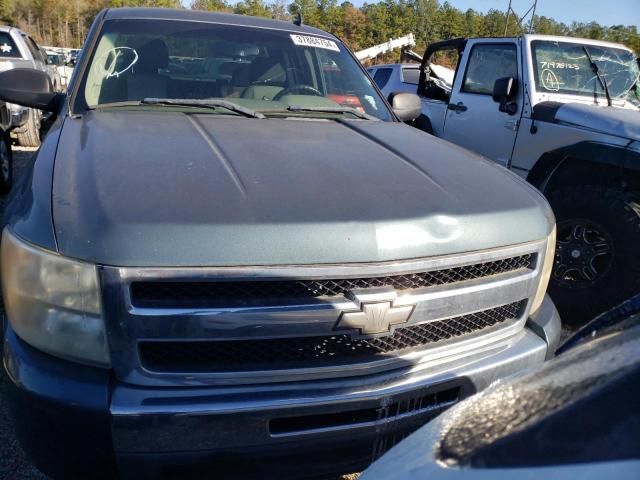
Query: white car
point(57, 60)
point(398, 77)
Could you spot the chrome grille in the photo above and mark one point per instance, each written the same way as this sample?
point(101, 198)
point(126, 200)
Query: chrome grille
point(317, 351)
point(219, 294)
point(240, 325)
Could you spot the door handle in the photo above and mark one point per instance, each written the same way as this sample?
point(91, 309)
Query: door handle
point(458, 107)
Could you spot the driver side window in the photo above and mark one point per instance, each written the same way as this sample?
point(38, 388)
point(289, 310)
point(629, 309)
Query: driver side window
point(487, 63)
point(34, 49)
point(442, 67)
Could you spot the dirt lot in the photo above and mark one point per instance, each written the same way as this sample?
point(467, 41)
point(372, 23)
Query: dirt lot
point(13, 464)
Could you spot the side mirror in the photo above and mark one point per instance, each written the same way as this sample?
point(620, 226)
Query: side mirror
point(31, 88)
point(406, 106)
point(504, 91)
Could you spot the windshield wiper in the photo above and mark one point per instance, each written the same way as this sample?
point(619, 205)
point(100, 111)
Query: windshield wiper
point(128, 103)
point(596, 71)
point(211, 103)
point(351, 110)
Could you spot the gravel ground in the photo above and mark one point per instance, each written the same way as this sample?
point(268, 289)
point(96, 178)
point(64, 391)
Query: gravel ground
point(13, 463)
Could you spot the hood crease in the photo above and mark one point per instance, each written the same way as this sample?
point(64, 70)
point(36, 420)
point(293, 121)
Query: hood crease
point(219, 154)
point(354, 128)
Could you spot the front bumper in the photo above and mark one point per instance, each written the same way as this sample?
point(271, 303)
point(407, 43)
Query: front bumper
point(281, 430)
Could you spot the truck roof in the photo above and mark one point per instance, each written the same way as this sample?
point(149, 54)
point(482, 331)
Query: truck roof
point(9, 28)
point(211, 17)
point(562, 38)
point(460, 42)
point(586, 41)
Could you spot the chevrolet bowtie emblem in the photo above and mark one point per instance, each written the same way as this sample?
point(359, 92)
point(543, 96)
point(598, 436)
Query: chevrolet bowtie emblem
point(377, 314)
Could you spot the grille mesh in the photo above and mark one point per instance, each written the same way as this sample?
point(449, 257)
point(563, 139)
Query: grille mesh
point(277, 292)
point(250, 355)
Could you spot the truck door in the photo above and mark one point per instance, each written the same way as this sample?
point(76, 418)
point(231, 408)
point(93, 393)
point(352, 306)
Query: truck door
point(437, 71)
point(473, 120)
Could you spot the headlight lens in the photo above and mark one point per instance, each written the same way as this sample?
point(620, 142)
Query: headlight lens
point(52, 302)
point(547, 266)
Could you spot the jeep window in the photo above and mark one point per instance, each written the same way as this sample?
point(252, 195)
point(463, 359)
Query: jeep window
point(437, 85)
point(8, 48)
point(54, 59)
point(382, 76)
point(34, 49)
point(265, 70)
point(411, 75)
point(487, 63)
point(563, 67)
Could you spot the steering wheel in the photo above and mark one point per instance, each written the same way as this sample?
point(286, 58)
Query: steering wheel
point(299, 88)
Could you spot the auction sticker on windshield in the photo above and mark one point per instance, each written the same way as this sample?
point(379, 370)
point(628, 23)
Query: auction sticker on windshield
point(308, 41)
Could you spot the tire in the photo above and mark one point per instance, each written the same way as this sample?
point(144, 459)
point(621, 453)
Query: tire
point(30, 136)
point(6, 163)
point(597, 265)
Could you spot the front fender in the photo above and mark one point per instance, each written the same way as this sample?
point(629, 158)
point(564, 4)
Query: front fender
point(29, 206)
point(600, 152)
point(603, 154)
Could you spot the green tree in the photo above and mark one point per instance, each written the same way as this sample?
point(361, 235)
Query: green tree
point(255, 8)
point(473, 23)
point(279, 10)
point(451, 22)
point(211, 5)
point(66, 22)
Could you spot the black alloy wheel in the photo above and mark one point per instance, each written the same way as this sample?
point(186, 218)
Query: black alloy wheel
point(597, 263)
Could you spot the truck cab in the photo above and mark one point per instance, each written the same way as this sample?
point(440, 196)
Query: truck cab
point(562, 113)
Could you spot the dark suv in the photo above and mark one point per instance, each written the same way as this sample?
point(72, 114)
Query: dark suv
point(230, 249)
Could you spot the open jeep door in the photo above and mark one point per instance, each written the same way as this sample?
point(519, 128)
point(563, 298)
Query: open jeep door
point(434, 90)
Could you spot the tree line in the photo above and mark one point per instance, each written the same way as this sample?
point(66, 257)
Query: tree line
point(65, 22)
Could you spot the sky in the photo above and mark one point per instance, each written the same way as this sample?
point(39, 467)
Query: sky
point(605, 12)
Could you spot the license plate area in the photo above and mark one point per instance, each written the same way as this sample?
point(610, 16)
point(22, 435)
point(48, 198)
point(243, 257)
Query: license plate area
point(423, 406)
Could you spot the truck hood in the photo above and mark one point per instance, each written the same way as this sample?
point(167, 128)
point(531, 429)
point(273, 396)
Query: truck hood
point(145, 188)
point(620, 122)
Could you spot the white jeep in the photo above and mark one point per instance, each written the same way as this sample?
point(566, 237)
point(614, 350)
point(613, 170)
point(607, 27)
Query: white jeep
point(564, 114)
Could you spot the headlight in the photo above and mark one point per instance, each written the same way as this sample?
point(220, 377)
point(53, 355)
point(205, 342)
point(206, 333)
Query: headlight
point(52, 302)
point(547, 266)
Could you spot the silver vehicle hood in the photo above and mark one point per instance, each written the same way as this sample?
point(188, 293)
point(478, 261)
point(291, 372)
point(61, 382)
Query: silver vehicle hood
point(620, 122)
point(145, 188)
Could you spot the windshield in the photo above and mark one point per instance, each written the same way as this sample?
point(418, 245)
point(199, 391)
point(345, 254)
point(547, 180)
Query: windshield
point(562, 67)
point(8, 48)
point(54, 59)
point(264, 70)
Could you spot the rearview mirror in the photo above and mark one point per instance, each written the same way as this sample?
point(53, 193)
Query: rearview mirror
point(504, 91)
point(406, 106)
point(31, 88)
